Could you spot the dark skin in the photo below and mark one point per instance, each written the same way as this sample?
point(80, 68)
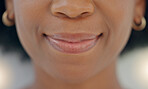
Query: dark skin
point(94, 69)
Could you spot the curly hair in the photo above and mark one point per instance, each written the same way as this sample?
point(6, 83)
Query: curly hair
point(9, 40)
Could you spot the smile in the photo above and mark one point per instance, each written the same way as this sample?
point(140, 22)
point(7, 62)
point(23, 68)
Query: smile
point(72, 43)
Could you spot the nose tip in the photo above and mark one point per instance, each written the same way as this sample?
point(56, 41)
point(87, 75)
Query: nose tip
point(72, 10)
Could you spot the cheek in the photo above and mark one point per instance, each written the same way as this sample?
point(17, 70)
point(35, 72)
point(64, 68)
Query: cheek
point(118, 15)
point(28, 14)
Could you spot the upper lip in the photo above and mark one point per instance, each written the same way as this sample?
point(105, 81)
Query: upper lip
point(77, 37)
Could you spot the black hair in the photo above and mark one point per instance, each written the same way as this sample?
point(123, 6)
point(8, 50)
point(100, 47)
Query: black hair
point(9, 40)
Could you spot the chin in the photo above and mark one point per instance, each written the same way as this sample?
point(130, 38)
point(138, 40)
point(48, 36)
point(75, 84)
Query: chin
point(73, 74)
point(73, 79)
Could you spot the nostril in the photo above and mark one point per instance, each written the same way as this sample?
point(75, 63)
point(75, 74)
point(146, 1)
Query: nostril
point(84, 14)
point(60, 14)
point(70, 15)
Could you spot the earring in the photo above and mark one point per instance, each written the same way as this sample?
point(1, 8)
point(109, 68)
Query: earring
point(6, 21)
point(140, 26)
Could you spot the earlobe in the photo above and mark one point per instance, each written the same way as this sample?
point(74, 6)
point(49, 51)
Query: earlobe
point(6, 21)
point(141, 26)
point(139, 21)
point(10, 10)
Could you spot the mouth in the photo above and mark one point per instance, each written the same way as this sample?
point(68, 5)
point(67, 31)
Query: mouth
point(72, 43)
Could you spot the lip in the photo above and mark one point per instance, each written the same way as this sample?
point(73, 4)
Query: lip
point(72, 43)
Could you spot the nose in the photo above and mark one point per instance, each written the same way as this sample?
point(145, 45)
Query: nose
point(72, 8)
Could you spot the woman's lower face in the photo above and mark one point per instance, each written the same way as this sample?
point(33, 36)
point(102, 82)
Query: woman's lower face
point(37, 20)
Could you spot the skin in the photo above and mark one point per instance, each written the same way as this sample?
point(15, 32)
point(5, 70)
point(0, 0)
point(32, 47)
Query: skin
point(94, 69)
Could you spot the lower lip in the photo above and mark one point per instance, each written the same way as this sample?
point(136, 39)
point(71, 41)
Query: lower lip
point(72, 47)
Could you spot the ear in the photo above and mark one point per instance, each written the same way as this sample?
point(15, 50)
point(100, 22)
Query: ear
point(140, 7)
point(10, 9)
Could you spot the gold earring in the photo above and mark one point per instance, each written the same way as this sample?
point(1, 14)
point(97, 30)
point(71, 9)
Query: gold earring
point(140, 26)
point(6, 21)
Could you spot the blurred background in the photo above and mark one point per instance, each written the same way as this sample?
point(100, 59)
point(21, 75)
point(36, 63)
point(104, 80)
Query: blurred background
point(16, 70)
